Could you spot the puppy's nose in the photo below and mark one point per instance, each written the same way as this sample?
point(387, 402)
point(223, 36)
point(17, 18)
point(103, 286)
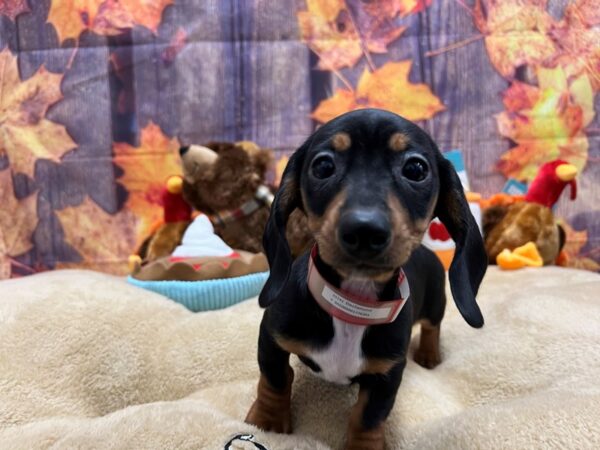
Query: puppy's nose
point(364, 233)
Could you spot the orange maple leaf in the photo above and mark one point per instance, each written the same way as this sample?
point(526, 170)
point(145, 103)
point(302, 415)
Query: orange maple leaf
point(103, 240)
point(145, 171)
point(584, 12)
point(331, 32)
point(385, 88)
point(25, 134)
point(546, 123)
point(577, 38)
point(106, 17)
point(18, 219)
point(392, 8)
point(12, 8)
point(516, 33)
point(326, 9)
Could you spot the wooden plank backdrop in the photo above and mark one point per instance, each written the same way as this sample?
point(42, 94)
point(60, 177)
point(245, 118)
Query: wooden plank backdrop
point(241, 71)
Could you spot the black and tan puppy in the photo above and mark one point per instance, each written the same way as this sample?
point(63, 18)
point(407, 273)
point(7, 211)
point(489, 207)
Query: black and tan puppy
point(369, 182)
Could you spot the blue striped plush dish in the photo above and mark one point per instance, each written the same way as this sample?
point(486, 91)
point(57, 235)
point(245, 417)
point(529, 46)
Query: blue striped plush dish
point(207, 295)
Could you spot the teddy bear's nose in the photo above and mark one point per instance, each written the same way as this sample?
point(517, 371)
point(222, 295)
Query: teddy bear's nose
point(183, 150)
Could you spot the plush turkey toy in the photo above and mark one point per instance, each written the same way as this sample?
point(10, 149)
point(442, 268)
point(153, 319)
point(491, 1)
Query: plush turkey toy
point(177, 215)
point(512, 226)
point(550, 181)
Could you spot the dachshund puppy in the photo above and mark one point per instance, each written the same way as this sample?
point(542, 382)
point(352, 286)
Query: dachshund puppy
point(369, 183)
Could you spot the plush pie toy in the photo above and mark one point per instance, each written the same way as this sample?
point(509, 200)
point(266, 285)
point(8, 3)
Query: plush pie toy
point(202, 272)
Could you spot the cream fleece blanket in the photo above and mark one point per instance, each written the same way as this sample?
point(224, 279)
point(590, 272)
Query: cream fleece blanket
point(87, 361)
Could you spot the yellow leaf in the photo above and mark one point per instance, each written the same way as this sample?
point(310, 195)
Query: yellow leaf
point(145, 171)
point(341, 102)
point(25, 134)
point(389, 88)
point(336, 44)
point(385, 88)
point(583, 95)
point(18, 219)
point(516, 33)
point(106, 17)
point(336, 41)
point(103, 240)
point(147, 12)
point(546, 122)
point(389, 9)
point(326, 9)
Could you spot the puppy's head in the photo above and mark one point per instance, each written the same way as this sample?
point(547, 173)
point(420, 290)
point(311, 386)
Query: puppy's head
point(370, 182)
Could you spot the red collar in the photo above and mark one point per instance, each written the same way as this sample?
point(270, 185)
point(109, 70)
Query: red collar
point(351, 308)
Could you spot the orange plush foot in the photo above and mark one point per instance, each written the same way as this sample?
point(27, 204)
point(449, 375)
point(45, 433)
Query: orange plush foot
point(526, 255)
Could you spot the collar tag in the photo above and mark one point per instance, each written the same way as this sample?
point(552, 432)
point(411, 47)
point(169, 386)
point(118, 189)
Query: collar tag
point(351, 308)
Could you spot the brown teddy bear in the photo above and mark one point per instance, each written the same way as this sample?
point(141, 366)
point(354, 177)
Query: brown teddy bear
point(226, 181)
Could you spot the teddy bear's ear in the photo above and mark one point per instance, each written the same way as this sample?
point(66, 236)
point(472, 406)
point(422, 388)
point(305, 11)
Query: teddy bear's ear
point(263, 160)
point(219, 146)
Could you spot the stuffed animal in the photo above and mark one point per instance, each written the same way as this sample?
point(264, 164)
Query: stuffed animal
point(226, 181)
point(509, 223)
point(550, 181)
point(177, 215)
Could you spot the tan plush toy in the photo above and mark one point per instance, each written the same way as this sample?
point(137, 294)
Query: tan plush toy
point(511, 223)
point(177, 215)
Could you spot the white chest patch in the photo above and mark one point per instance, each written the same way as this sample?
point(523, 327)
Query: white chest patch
point(343, 359)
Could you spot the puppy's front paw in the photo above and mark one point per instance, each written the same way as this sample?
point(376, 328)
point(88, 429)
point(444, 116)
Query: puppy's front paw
point(427, 358)
point(269, 419)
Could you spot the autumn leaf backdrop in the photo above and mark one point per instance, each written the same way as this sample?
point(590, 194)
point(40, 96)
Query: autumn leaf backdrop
point(96, 96)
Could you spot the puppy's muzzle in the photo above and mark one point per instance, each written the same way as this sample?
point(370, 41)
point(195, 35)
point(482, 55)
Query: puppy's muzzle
point(364, 233)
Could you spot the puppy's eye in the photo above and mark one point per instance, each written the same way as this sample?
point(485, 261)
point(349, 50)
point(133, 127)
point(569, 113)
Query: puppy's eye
point(323, 167)
point(415, 169)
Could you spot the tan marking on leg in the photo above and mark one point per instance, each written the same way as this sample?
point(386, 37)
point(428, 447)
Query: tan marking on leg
point(341, 141)
point(358, 438)
point(378, 365)
point(271, 409)
point(428, 353)
point(398, 142)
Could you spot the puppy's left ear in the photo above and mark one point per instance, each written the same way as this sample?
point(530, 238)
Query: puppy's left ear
point(470, 259)
point(275, 241)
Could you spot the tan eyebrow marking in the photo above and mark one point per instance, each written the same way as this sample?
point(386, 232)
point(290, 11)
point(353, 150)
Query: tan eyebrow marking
point(398, 142)
point(341, 141)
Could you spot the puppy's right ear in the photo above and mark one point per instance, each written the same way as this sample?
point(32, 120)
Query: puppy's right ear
point(275, 242)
